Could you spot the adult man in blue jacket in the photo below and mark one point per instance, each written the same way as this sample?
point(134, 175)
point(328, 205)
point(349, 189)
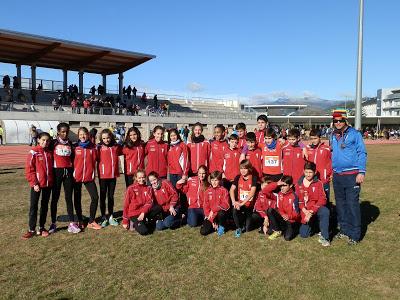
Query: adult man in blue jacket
point(349, 158)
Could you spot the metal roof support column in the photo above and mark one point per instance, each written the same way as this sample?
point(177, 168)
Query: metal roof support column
point(65, 80)
point(80, 82)
point(33, 77)
point(19, 74)
point(105, 83)
point(121, 83)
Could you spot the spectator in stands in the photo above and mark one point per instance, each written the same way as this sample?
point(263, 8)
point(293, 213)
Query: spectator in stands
point(134, 91)
point(40, 87)
point(70, 90)
point(129, 91)
point(167, 108)
point(186, 134)
point(75, 89)
point(6, 81)
point(16, 83)
point(1, 135)
point(93, 90)
point(144, 98)
point(123, 91)
point(73, 106)
point(55, 104)
point(92, 135)
point(86, 106)
point(155, 101)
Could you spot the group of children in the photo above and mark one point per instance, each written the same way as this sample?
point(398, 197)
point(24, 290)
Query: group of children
point(249, 180)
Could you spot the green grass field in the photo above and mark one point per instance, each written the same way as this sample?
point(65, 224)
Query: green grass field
point(181, 264)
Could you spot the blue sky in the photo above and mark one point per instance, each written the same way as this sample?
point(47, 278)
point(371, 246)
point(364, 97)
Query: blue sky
point(252, 49)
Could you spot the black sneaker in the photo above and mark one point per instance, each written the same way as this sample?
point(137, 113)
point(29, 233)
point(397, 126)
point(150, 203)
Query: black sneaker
point(352, 242)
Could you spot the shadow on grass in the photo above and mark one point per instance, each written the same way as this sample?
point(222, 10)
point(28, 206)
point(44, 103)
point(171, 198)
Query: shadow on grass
point(369, 213)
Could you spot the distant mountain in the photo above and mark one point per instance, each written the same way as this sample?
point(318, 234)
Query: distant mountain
point(315, 106)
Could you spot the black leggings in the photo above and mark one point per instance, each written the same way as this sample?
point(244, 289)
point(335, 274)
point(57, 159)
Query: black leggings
point(255, 221)
point(277, 223)
point(144, 227)
point(220, 219)
point(107, 189)
point(129, 180)
point(242, 217)
point(62, 176)
point(94, 196)
point(44, 206)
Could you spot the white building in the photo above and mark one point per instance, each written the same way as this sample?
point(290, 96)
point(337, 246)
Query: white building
point(388, 102)
point(369, 107)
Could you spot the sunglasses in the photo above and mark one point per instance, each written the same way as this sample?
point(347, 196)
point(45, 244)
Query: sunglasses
point(339, 121)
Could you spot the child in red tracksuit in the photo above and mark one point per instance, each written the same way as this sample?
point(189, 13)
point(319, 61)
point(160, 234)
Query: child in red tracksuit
point(108, 171)
point(195, 188)
point(262, 124)
point(216, 206)
point(287, 214)
point(231, 161)
point(272, 155)
point(312, 203)
point(321, 155)
point(139, 210)
point(253, 153)
point(63, 175)
point(242, 194)
point(156, 151)
point(293, 156)
point(166, 196)
point(217, 149)
point(178, 158)
point(133, 152)
point(85, 160)
point(199, 149)
point(241, 133)
point(39, 173)
point(266, 200)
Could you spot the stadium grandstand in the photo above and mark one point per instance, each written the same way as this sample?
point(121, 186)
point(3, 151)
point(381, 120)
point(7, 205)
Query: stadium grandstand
point(26, 101)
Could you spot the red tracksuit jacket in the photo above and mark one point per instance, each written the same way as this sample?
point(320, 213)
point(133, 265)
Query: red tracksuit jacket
point(255, 158)
point(85, 163)
point(194, 192)
point(134, 158)
point(138, 199)
point(199, 154)
point(231, 163)
point(321, 156)
point(62, 153)
point(156, 157)
point(108, 166)
point(287, 204)
point(217, 155)
point(215, 199)
point(266, 199)
point(166, 195)
point(260, 135)
point(178, 159)
point(312, 197)
point(242, 143)
point(293, 161)
point(39, 167)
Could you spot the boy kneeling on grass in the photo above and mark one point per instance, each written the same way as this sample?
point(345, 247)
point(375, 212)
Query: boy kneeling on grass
point(39, 173)
point(286, 216)
point(312, 201)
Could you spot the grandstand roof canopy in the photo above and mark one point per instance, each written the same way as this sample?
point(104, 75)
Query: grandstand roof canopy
point(27, 49)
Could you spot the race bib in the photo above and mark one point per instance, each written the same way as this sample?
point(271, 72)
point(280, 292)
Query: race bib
point(271, 161)
point(244, 195)
point(62, 150)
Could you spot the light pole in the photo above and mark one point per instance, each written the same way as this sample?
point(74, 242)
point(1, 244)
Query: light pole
point(357, 124)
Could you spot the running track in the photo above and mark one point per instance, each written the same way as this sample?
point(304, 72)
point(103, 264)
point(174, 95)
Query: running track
point(15, 156)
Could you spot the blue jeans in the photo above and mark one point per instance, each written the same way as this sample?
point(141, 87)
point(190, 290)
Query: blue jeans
point(347, 193)
point(323, 219)
point(195, 217)
point(169, 220)
point(174, 178)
